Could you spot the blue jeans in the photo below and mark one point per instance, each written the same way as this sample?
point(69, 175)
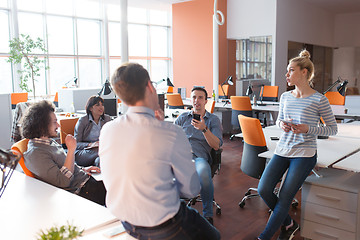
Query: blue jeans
point(186, 224)
point(207, 187)
point(298, 170)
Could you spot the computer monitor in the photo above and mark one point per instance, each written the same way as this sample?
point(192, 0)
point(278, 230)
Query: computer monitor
point(110, 106)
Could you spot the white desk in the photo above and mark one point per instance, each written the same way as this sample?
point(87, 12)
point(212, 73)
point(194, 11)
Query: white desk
point(329, 150)
point(29, 205)
point(351, 163)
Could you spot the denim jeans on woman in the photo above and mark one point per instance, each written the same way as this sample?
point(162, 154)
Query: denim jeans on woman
point(298, 170)
point(186, 224)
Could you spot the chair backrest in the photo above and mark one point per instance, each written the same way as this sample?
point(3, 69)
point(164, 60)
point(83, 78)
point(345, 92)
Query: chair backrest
point(210, 105)
point(170, 89)
point(240, 105)
point(67, 126)
point(174, 100)
point(56, 99)
point(21, 147)
point(269, 93)
point(254, 143)
point(226, 91)
point(335, 98)
point(18, 97)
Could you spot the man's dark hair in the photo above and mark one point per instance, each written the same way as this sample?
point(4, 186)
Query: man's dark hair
point(35, 122)
point(129, 82)
point(93, 100)
point(200, 89)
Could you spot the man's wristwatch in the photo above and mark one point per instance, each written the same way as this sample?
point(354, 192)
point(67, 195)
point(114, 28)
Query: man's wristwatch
point(205, 129)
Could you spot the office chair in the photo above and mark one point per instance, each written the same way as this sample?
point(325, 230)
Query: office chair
point(239, 105)
point(215, 168)
point(67, 126)
point(210, 105)
point(21, 147)
point(175, 101)
point(254, 144)
point(56, 99)
point(226, 91)
point(335, 98)
point(269, 93)
point(18, 97)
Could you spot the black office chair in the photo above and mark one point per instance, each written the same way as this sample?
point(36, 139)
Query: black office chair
point(215, 168)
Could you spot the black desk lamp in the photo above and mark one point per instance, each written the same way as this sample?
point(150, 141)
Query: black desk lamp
point(169, 83)
point(261, 96)
point(72, 80)
point(106, 88)
point(341, 89)
point(249, 90)
point(227, 81)
point(8, 162)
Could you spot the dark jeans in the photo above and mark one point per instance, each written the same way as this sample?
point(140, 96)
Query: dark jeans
point(87, 157)
point(186, 224)
point(94, 191)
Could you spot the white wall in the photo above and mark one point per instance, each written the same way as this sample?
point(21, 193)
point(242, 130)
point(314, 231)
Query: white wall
point(250, 18)
point(300, 22)
point(347, 30)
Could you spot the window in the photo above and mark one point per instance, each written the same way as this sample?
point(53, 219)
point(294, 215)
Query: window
point(75, 40)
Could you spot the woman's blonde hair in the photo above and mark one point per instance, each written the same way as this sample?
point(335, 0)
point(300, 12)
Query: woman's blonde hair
point(303, 61)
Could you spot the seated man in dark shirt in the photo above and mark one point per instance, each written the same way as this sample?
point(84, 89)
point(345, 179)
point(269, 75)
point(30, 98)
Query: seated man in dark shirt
point(203, 134)
point(46, 159)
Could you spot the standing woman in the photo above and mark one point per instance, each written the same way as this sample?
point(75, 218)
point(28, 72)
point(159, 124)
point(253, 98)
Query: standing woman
point(301, 108)
point(87, 132)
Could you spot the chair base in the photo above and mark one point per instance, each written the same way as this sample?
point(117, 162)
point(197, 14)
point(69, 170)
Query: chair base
point(249, 195)
point(193, 201)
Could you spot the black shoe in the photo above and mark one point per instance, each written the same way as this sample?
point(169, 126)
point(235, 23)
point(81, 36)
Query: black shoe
point(210, 220)
point(288, 234)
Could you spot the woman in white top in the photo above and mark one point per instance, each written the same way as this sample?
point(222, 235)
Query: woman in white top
point(299, 115)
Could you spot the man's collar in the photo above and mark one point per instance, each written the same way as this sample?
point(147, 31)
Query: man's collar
point(42, 141)
point(141, 109)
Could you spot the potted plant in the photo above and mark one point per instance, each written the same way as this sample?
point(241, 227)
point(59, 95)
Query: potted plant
point(25, 50)
point(63, 232)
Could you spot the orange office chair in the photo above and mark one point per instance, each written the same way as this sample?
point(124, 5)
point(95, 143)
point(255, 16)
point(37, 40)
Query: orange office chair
point(67, 126)
point(239, 105)
point(56, 99)
point(21, 147)
point(269, 93)
point(335, 98)
point(18, 97)
point(226, 91)
point(174, 101)
point(170, 89)
point(210, 105)
point(254, 144)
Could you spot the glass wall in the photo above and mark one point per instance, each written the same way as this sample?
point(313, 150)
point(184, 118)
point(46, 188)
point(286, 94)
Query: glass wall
point(75, 39)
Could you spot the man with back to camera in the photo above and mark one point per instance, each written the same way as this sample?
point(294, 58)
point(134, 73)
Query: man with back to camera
point(147, 166)
point(204, 133)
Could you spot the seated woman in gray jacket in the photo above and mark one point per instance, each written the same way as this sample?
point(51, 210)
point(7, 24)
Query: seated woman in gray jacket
point(87, 132)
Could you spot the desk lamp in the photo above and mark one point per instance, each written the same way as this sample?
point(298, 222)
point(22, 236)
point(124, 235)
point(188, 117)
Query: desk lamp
point(341, 89)
point(249, 90)
point(8, 162)
point(73, 80)
point(168, 82)
point(261, 96)
point(106, 88)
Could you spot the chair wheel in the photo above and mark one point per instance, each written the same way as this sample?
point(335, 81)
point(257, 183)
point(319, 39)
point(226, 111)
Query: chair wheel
point(218, 211)
point(231, 137)
point(248, 193)
point(242, 204)
point(295, 204)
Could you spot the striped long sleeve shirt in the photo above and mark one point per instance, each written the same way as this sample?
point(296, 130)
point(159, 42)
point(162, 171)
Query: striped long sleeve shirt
point(308, 111)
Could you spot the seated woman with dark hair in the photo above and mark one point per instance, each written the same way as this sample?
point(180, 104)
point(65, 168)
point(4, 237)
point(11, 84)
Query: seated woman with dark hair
point(87, 132)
